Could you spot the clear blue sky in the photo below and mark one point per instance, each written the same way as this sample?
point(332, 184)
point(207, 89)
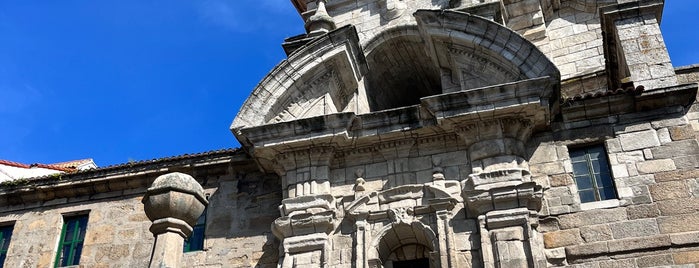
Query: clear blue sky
point(120, 80)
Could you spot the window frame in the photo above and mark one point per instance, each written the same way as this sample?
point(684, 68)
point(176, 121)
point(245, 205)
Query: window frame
point(200, 229)
point(5, 241)
point(76, 242)
point(595, 177)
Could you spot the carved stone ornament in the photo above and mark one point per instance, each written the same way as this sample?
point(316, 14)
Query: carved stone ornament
point(401, 215)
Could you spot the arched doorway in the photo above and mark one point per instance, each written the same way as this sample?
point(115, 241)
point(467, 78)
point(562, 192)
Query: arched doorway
point(403, 245)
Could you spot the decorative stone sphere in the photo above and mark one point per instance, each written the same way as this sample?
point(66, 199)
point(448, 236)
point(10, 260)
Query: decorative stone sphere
point(173, 199)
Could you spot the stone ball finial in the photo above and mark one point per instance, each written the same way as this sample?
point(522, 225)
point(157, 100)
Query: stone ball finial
point(173, 203)
point(321, 22)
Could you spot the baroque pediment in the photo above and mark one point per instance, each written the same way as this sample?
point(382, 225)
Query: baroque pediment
point(320, 78)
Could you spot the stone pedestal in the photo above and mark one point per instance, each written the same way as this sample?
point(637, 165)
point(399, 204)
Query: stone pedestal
point(303, 229)
point(173, 203)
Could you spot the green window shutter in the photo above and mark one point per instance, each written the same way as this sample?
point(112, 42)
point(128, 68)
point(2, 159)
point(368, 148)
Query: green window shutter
point(71, 242)
point(195, 241)
point(5, 236)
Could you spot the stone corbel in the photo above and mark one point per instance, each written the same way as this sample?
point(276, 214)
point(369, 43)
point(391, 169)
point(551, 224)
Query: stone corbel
point(498, 197)
point(304, 224)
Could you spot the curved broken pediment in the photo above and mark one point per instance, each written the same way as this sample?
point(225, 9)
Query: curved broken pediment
point(473, 52)
point(318, 79)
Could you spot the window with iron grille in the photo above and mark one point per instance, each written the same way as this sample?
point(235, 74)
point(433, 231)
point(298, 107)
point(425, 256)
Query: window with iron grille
point(195, 241)
point(71, 243)
point(5, 236)
point(592, 175)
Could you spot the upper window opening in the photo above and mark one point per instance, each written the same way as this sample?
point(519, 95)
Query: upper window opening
point(71, 244)
point(195, 241)
point(5, 236)
point(592, 175)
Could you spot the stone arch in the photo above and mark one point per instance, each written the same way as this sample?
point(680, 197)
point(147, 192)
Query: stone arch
point(401, 241)
point(400, 72)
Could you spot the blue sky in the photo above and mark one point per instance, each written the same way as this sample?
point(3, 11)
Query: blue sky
point(142, 79)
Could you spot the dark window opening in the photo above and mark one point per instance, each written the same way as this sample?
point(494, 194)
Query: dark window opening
point(592, 175)
point(195, 241)
point(5, 236)
point(71, 243)
point(416, 263)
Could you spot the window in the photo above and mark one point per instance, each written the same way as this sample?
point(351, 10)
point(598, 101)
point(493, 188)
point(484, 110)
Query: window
point(5, 236)
point(71, 244)
point(591, 172)
point(196, 239)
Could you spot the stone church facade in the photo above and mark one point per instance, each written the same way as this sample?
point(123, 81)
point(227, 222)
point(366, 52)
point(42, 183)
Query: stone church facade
point(416, 133)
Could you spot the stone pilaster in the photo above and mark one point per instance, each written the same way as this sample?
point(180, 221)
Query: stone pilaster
point(497, 144)
point(305, 171)
point(500, 192)
point(303, 229)
point(636, 47)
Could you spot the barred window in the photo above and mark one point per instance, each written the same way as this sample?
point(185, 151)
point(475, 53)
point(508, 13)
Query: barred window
point(592, 175)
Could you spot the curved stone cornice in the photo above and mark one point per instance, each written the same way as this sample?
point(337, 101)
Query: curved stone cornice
point(335, 55)
point(445, 31)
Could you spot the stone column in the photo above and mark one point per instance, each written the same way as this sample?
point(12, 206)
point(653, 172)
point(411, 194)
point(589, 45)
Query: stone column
point(362, 238)
point(500, 192)
point(446, 237)
point(173, 203)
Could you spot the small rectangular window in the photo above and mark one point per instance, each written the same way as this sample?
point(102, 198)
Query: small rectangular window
point(71, 243)
point(5, 236)
point(195, 241)
point(592, 175)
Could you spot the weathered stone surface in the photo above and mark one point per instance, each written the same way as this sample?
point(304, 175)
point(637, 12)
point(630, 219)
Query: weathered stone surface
point(648, 242)
point(679, 223)
point(634, 228)
point(642, 211)
point(639, 140)
point(592, 217)
point(684, 238)
point(596, 233)
point(656, 260)
point(675, 149)
point(562, 238)
point(654, 166)
point(669, 190)
point(686, 257)
point(676, 175)
point(681, 132)
point(618, 263)
point(678, 206)
point(560, 180)
point(587, 249)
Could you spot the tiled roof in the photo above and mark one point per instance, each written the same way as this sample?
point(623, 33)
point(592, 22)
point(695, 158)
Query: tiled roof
point(47, 166)
point(73, 164)
point(144, 164)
